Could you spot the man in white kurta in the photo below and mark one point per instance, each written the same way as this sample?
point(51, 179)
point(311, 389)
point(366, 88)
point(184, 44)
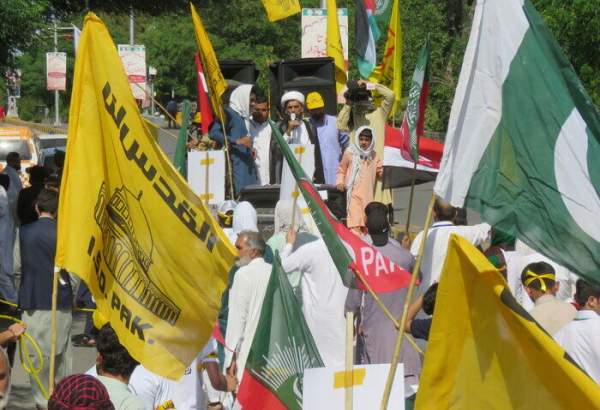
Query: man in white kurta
point(323, 296)
point(436, 244)
point(581, 337)
point(246, 298)
point(523, 256)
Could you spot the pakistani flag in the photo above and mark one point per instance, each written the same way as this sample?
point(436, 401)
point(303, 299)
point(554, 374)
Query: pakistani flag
point(282, 348)
point(349, 252)
point(523, 139)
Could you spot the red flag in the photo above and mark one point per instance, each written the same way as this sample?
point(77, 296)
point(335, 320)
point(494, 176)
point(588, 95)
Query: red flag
point(203, 101)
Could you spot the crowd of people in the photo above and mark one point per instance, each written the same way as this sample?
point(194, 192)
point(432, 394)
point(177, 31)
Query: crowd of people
point(346, 155)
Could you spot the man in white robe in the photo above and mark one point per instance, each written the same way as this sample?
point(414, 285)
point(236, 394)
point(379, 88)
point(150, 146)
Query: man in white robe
point(581, 337)
point(438, 236)
point(245, 299)
point(323, 296)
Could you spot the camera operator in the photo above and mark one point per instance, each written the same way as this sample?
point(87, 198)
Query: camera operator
point(360, 110)
point(296, 130)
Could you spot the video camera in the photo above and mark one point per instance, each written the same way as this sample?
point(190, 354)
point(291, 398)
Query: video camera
point(357, 93)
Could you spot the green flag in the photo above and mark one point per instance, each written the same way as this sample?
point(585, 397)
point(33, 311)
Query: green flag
point(281, 349)
point(382, 13)
point(349, 252)
point(181, 149)
point(523, 138)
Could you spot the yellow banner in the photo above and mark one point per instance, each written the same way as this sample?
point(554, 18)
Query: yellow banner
point(280, 9)
point(334, 46)
point(129, 225)
point(485, 351)
point(389, 72)
point(212, 72)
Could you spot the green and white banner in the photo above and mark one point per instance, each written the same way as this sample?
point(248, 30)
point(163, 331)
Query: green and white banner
point(524, 137)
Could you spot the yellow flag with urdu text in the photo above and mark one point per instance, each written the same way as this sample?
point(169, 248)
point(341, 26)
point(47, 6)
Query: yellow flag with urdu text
point(280, 9)
point(334, 46)
point(486, 352)
point(389, 72)
point(212, 71)
point(154, 259)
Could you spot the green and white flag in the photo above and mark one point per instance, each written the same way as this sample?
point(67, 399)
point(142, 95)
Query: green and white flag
point(523, 138)
point(281, 349)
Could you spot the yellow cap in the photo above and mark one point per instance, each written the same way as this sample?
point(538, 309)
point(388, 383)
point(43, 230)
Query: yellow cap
point(314, 100)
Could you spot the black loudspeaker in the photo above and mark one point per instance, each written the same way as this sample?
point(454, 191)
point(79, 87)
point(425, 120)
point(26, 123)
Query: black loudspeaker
point(304, 75)
point(239, 71)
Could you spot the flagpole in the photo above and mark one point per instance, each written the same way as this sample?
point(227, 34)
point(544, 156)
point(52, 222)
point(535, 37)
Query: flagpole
point(396, 357)
point(296, 192)
point(227, 157)
point(349, 374)
point(410, 198)
point(53, 332)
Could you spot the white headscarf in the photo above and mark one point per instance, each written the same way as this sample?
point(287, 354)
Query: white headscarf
point(244, 218)
point(283, 216)
point(239, 101)
point(358, 156)
point(292, 95)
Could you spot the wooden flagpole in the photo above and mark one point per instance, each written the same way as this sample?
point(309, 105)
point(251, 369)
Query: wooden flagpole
point(349, 373)
point(413, 280)
point(410, 198)
point(53, 330)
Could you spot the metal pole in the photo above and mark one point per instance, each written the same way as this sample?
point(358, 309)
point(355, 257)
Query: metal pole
point(152, 97)
point(131, 25)
point(56, 96)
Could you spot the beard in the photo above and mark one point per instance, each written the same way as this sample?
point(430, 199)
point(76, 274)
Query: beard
point(242, 261)
point(4, 397)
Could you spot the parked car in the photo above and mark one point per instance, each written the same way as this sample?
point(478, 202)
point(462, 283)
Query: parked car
point(49, 144)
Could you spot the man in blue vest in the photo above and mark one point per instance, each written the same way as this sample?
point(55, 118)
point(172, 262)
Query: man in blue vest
point(38, 247)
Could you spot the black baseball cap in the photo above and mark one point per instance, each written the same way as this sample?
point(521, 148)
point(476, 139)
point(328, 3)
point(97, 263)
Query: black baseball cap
point(378, 223)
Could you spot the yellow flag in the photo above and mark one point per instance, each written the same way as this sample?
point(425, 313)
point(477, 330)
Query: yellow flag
point(212, 72)
point(280, 9)
point(389, 72)
point(334, 46)
point(486, 352)
point(154, 259)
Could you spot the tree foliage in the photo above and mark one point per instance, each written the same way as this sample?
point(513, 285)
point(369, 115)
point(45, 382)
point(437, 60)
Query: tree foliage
point(239, 29)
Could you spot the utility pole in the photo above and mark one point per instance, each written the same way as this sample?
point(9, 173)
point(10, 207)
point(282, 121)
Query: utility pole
point(56, 96)
point(131, 26)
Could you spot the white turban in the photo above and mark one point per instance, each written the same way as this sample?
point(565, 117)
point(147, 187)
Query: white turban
point(292, 95)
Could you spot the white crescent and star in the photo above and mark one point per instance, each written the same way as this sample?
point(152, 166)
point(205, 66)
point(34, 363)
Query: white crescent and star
point(573, 177)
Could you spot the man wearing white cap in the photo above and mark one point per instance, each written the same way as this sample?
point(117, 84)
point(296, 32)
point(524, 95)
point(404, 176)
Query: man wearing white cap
point(296, 130)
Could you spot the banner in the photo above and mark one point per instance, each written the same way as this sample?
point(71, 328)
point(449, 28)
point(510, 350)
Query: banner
point(212, 71)
point(206, 173)
point(56, 71)
point(314, 32)
point(398, 163)
point(154, 259)
point(389, 72)
point(134, 62)
point(204, 108)
point(485, 351)
point(334, 46)
point(280, 9)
